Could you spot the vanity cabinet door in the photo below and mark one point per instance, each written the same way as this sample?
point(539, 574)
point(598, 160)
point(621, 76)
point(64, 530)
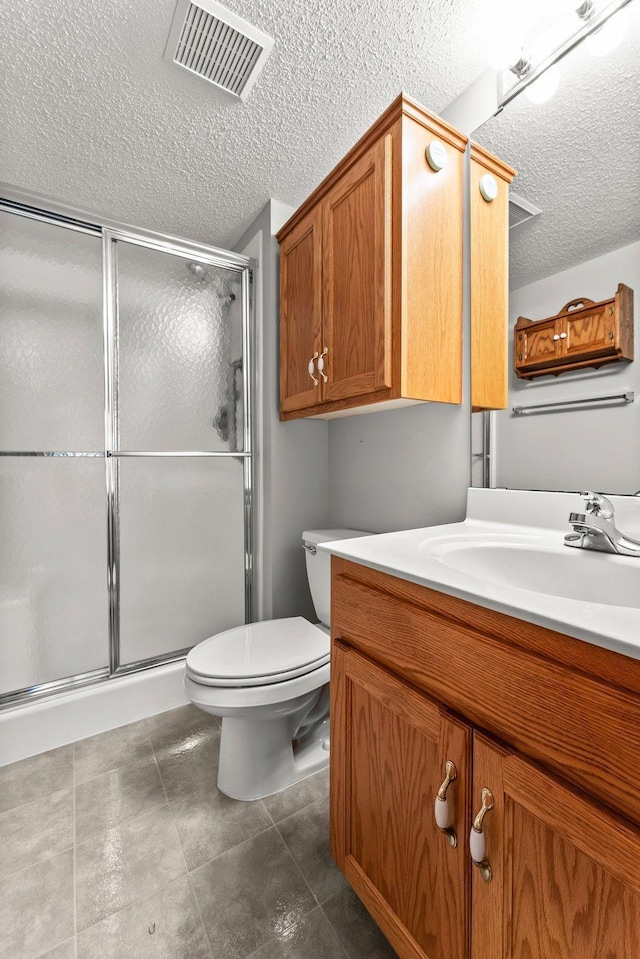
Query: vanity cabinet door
point(565, 872)
point(389, 748)
point(301, 313)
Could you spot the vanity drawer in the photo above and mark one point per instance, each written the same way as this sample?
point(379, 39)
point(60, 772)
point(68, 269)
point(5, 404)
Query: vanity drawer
point(578, 724)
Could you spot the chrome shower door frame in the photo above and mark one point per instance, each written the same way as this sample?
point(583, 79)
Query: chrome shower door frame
point(223, 260)
point(15, 202)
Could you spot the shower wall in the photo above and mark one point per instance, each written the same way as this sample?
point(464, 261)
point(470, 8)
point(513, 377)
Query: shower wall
point(125, 466)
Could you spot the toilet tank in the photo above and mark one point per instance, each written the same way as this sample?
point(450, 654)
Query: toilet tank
point(319, 566)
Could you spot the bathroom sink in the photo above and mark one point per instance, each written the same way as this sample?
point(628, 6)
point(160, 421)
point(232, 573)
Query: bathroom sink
point(582, 575)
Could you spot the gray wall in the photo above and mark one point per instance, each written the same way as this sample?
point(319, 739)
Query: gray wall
point(595, 448)
point(409, 467)
point(292, 462)
point(400, 469)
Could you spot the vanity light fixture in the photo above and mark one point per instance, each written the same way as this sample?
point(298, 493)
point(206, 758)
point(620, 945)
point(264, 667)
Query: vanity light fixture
point(508, 52)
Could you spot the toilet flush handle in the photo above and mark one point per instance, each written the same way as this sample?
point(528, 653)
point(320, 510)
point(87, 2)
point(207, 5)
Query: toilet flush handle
point(310, 548)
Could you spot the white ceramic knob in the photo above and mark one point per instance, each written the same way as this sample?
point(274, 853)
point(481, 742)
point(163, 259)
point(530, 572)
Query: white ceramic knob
point(477, 846)
point(444, 813)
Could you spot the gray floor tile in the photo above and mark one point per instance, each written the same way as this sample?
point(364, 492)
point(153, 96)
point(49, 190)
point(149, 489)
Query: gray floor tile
point(36, 908)
point(36, 831)
point(356, 929)
point(250, 895)
point(36, 777)
point(290, 800)
point(190, 765)
point(311, 938)
point(166, 925)
point(209, 823)
point(110, 750)
point(65, 950)
point(116, 796)
point(178, 725)
point(124, 864)
point(306, 833)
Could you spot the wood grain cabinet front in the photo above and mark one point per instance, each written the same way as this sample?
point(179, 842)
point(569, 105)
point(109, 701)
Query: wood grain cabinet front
point(395, 750)
point(565, 871)
point(543, 732)
point(383, 284)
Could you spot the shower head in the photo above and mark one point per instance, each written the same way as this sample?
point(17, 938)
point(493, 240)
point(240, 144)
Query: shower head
point(197, 270)
point(203, 275)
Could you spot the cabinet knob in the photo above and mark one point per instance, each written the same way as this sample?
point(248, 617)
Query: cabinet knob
point(444, 811)
point(556, 336)
point(321, 365)
point(477, 839)
point(310, 368)
point(563, 336)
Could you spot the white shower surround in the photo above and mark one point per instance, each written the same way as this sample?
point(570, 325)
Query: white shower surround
point(35, 727)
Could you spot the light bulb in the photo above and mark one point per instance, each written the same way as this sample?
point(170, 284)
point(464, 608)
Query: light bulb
point(544, 87)
point(504, 48)
point(606, 39)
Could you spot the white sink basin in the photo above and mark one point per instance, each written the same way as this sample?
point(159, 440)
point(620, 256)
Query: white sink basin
point(586, 576)
point(508, 555)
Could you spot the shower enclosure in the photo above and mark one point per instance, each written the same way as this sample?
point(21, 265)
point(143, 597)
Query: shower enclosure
point(125, 449)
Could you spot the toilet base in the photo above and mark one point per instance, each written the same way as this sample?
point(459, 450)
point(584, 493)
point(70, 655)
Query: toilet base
point(260, 758)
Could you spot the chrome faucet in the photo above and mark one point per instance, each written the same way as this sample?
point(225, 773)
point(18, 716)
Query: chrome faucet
point(595, 528)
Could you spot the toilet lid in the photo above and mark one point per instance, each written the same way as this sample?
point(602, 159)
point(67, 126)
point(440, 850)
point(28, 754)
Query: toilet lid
point(259, 653)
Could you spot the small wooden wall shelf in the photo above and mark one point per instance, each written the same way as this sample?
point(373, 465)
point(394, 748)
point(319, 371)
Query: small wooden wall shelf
point(582, 334)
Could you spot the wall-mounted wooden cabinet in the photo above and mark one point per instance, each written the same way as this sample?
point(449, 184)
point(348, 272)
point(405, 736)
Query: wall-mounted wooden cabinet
point(547, 724)
point(371, 275)
point(582, 334)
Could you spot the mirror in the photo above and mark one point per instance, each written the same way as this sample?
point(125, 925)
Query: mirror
point(578, 161)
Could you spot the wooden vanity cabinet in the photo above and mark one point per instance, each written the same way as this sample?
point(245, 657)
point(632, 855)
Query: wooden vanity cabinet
point(371, 274)
point(548, 724)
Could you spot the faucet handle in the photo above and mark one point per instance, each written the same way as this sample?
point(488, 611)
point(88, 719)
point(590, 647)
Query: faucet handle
point(598, 504)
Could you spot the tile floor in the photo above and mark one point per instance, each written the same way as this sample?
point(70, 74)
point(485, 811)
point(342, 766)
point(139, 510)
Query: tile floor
point(121, 847)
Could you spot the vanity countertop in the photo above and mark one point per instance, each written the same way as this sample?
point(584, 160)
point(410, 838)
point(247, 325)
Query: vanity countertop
point(508, 555)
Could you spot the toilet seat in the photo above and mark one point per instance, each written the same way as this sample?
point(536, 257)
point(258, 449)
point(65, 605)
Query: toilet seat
point(257, 654)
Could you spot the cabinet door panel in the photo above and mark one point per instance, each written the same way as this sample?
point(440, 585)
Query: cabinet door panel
point(566, 872)
point(357, 278)
point(591, 332)
point(393, 744)
point(300, 312)
point(537, 345)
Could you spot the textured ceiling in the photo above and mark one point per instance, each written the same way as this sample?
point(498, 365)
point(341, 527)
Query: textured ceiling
point(96, 118)
point(578, 159)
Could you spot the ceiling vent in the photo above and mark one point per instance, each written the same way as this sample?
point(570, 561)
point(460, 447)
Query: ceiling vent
point(520, 210)
point(212, 42)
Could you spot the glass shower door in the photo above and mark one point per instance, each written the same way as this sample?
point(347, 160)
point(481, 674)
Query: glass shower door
point(181, 451)
point(53, 583)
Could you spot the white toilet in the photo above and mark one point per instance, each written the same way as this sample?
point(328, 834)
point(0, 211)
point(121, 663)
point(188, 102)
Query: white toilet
point(269, 682)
